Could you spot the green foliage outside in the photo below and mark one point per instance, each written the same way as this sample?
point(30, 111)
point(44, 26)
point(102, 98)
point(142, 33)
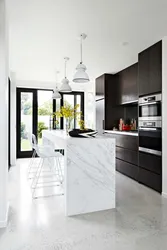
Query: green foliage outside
point(45, 109)
point(27, 109)
point(41, 126)
point(23, 131)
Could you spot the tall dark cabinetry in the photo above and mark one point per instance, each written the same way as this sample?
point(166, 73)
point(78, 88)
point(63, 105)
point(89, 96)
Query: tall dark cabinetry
point(150, 70)
point(128, 85)
point(107, 99)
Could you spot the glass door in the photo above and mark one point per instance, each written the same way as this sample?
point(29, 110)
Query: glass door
point(73, 99)
point(26, 120)
point(45, 111)
point(34, 113)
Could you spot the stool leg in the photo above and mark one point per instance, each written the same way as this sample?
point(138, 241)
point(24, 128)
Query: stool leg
point(37, 178)
point(60, 169)
point(36, 174)
point(31, 163)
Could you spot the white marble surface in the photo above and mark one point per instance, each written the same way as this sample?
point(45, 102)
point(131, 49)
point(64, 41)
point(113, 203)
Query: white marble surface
point(132, 133)
point(89, 171)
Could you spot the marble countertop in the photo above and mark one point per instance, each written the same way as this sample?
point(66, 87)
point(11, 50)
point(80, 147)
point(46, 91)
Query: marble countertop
point(89, 171)
point(61, 134)
point(132, 133)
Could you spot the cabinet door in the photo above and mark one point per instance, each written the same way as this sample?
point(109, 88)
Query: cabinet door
point(155, 68)
point(127, 169)
point(150, 162)
point(128, 84)
point(150, 179)
point(143, 73)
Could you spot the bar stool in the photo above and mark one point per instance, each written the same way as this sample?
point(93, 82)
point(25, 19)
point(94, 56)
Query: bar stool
point(51, 158)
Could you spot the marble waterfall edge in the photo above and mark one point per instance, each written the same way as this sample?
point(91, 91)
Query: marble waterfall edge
point(91, 175)
point(89, 169)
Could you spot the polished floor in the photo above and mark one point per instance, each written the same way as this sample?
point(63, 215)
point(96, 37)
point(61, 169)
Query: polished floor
point(138, 223)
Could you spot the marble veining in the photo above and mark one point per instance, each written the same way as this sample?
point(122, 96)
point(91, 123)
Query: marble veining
point(89, 171)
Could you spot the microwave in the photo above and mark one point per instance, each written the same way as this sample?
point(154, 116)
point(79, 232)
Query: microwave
point(150, 107)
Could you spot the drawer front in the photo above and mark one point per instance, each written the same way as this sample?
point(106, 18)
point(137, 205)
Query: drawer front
point(150, 162)
point(120, 153)
point(150, 179)
point(127, 155)
point(127, 141)
point(127, 169)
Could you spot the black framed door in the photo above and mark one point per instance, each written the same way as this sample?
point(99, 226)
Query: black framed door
point(34, 111)
point(26, 120)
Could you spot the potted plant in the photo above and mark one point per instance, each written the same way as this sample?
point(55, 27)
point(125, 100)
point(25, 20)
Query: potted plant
point(69, 113)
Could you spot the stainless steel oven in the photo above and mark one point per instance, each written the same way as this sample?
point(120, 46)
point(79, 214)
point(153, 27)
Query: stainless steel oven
point(150, 137)
point(150, 108)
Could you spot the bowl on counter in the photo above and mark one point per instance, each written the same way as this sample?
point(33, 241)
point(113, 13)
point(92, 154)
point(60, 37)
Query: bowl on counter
point(126, 127)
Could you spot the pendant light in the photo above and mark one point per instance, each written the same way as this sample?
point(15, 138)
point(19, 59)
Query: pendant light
point(56, 94)
point(65, 87)
point(81, 76)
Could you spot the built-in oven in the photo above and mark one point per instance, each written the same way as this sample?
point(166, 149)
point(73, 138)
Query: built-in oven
point(150, 137)
point(150, 107)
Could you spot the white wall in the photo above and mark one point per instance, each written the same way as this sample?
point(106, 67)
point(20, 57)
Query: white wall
point(3, 114)
point(13, 119)
point(164, 116)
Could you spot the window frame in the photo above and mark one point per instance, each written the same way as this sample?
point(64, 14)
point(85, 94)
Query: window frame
point(75, 93)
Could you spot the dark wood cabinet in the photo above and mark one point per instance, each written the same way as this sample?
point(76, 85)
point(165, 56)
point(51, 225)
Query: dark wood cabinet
point(126, 141)
point(128, 85)
point(150, 70)
point(150, 162)
point(126, 154)
point(155, 71)
point(100, 87)
point(107, 89)
point(143, 72)
point(150, 179)
point(127, 169)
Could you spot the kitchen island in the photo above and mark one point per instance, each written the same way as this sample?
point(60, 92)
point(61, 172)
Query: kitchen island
point(89, 171)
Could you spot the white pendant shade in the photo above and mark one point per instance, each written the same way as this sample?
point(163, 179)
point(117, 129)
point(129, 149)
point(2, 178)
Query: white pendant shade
point(65, 87)
point(81, 76)
point(56, 94)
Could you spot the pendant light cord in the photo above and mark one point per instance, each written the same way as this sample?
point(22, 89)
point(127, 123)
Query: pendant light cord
point(57, 72)
point(81, 49)
point(56, 79)
point(65, 67)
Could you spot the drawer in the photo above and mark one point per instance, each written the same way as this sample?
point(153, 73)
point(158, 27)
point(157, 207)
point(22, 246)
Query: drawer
point(127, 155)
point(150, 179)
point(127, 141)
point(127, 169)
point(150, 162)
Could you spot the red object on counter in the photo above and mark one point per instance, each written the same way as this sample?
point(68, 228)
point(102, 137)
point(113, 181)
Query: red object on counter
point(126, 127)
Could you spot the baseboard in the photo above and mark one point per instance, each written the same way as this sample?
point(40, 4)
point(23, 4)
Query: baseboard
point(5, 222)
point(164, 195)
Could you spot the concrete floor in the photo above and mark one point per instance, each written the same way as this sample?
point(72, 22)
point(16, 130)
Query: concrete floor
point(138, 223)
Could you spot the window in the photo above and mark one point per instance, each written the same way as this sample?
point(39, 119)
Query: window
point(72, 99)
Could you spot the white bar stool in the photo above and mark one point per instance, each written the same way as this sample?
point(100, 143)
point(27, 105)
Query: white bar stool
point(52, 160)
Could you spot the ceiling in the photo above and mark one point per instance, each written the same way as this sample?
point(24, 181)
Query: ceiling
point(42, 32)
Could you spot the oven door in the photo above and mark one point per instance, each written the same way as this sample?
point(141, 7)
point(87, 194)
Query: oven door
point(149, 110)
point(150, 140)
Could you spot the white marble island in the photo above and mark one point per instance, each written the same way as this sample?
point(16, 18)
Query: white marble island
point(89, 181)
